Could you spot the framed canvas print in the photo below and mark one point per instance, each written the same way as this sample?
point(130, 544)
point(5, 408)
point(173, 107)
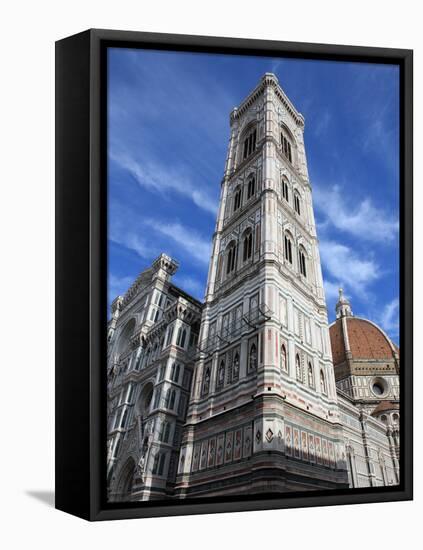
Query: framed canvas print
point(234, 274)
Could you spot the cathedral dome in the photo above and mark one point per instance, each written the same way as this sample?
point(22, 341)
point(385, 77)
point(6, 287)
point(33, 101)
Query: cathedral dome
point(354, 339)
point(366, 341)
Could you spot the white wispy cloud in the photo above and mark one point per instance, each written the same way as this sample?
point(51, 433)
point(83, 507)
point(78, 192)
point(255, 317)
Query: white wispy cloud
point(117, 286)
point(162, 180)
point(134, 242)
point(389, 318)
point(191, 285)
point(345, 266)
point(322, 123)
point(188, 239)
point(331, 290)
point(364, 221)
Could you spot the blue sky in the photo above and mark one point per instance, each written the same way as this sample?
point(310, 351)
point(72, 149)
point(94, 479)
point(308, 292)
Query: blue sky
point(168, 116)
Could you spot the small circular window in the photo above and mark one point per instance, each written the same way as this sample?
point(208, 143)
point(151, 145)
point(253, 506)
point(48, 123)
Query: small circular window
point(379, 387)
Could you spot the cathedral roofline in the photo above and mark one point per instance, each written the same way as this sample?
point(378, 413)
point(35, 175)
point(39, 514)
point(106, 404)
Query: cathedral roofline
point(268, 79)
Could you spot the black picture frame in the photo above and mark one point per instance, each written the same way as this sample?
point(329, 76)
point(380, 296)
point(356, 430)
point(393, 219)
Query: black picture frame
point(81, 204)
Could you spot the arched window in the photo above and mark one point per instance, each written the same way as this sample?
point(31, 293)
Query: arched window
point(174, 373)
point(286, 145)
point(283, 358)
point(157, 397)
point(162, 431)
point(251, 187)
point(253, 357)
point(162, 369)
point(288, 248)
point(206, 381)
point(147, 356)
point(323, 382)
point(298, 367)
point(231, 257)
point(182, 334)
point(302, 258)
point(285, 190)
point(297, 203)
point(236, 366)
point(247, 246)
point(138, 359)
point(166, 432)
point(221, 373)
point(310, 376)
point(124, 418)
point(169, 335)
point(170, 398)
point(249, 144)
point(237, 198)
point(158, 464)
point(130, 393)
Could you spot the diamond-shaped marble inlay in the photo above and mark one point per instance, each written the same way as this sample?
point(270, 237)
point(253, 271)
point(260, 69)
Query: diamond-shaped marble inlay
point(269, 435)
point(258, 436)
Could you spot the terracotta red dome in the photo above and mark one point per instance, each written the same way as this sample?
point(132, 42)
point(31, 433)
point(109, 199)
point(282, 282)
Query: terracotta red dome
point(367, 341)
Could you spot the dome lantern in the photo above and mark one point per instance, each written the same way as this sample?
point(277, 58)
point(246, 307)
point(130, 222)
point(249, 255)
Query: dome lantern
point(343, 306)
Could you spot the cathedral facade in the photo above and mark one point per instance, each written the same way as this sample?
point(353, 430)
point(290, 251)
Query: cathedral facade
point(251, 391)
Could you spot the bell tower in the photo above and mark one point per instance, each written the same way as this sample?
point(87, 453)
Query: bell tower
point(263, 414)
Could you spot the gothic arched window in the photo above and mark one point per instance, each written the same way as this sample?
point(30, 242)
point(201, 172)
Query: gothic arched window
point(251, 187)
point(182, 334)
point(288, 248)
point(323, 382)
point(164, 432)
point(286, 145)
point(157, 397)
point(206, 381)
point(298, 367)
point(237, 198)
point(253, 357)
point(297, 203)
point(283, 358)
point(138, 359)
point(236, 366)
point(170, 398)
point(174, 373)
point(162, 369)
point(285, 190)
point(147, 356)
point(249, 144)
point(231, 257)
point(247, 246)
point(169, 335)
point(310, 376)
point(221, 373)
point(158, 464)
point(302, 258)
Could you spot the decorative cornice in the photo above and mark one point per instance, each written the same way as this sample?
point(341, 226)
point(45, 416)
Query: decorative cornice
point(268, 80)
